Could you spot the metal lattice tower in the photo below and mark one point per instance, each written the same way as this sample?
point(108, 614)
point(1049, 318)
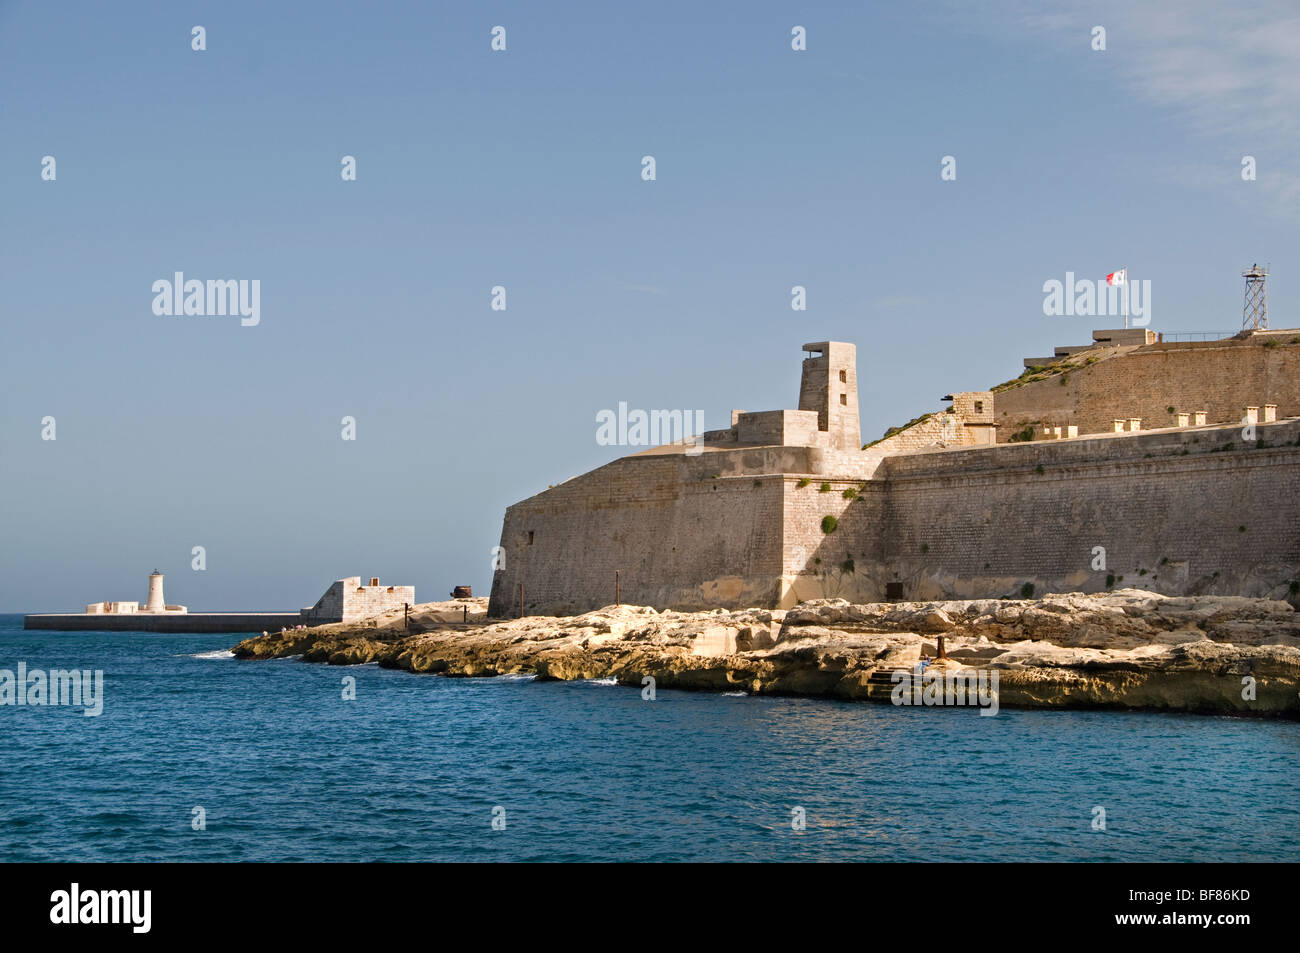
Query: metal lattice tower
point(1254, 312)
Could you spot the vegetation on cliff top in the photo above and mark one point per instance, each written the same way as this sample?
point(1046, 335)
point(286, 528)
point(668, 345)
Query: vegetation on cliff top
point(893, 430)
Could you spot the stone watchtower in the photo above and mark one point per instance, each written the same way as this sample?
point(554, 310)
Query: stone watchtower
point(830, 387)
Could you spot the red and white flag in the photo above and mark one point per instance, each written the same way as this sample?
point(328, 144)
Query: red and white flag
point(1117, 277)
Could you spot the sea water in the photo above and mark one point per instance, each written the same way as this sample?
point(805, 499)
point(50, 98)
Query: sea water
point(198, 756)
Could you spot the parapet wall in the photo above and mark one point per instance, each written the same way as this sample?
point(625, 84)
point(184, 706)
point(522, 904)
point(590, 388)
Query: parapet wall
point(781, 428)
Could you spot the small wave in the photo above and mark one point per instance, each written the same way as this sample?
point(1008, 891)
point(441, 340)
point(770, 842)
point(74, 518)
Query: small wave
point(517, 677)
point(602, 681)
point(735, 694)
point(215, 653)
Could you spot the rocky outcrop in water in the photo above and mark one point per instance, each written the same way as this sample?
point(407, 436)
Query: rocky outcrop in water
point(1124, 649)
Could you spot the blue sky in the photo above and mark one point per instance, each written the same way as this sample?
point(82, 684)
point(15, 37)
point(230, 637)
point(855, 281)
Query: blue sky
point(522, 168)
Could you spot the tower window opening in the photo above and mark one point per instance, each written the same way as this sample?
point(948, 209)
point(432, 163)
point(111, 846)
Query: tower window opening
point(844, 377)
point(530, 537)
point(844, 399)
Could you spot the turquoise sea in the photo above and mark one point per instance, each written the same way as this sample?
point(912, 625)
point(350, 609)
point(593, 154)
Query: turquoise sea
point(418, 767)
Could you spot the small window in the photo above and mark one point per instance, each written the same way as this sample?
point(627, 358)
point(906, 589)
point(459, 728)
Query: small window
point(844, 399)
point(530, 537)
point(893, 591)
point(979, 406)
point(844, 377)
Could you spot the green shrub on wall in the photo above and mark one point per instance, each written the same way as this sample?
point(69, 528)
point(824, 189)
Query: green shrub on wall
point(829, 523)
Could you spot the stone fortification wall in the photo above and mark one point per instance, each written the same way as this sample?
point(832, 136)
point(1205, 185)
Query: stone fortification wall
point(683, 531)
point(1221, 377)
point(1184, 511)
point(1181, 512)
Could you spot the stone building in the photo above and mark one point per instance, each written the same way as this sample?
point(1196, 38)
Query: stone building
point(968, 501)
point(347, 600)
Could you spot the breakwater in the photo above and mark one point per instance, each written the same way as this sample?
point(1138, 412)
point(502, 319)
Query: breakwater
point(171, 622)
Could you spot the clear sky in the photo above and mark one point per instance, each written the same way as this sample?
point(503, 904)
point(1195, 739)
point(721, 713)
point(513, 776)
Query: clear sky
point(522, 168)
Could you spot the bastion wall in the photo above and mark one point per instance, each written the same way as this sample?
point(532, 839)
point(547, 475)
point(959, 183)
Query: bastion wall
point(1220, 377)
point(1186, 511)
point(681, 531)
point(1191, 511)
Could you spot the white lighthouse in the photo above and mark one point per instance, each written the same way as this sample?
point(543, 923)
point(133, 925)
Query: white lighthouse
point(156, 602)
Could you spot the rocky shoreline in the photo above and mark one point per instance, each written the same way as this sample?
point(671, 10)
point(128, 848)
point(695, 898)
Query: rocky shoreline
point(1126, 649)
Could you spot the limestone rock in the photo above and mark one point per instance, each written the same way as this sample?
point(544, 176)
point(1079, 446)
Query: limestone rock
point(1127, 648)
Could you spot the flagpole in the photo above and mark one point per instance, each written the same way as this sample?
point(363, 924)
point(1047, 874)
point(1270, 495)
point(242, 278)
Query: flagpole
point(1125, 297)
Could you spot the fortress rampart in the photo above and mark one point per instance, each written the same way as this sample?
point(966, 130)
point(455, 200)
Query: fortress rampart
point(676, 529)
point(1179, 510)
point(1222, 378)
